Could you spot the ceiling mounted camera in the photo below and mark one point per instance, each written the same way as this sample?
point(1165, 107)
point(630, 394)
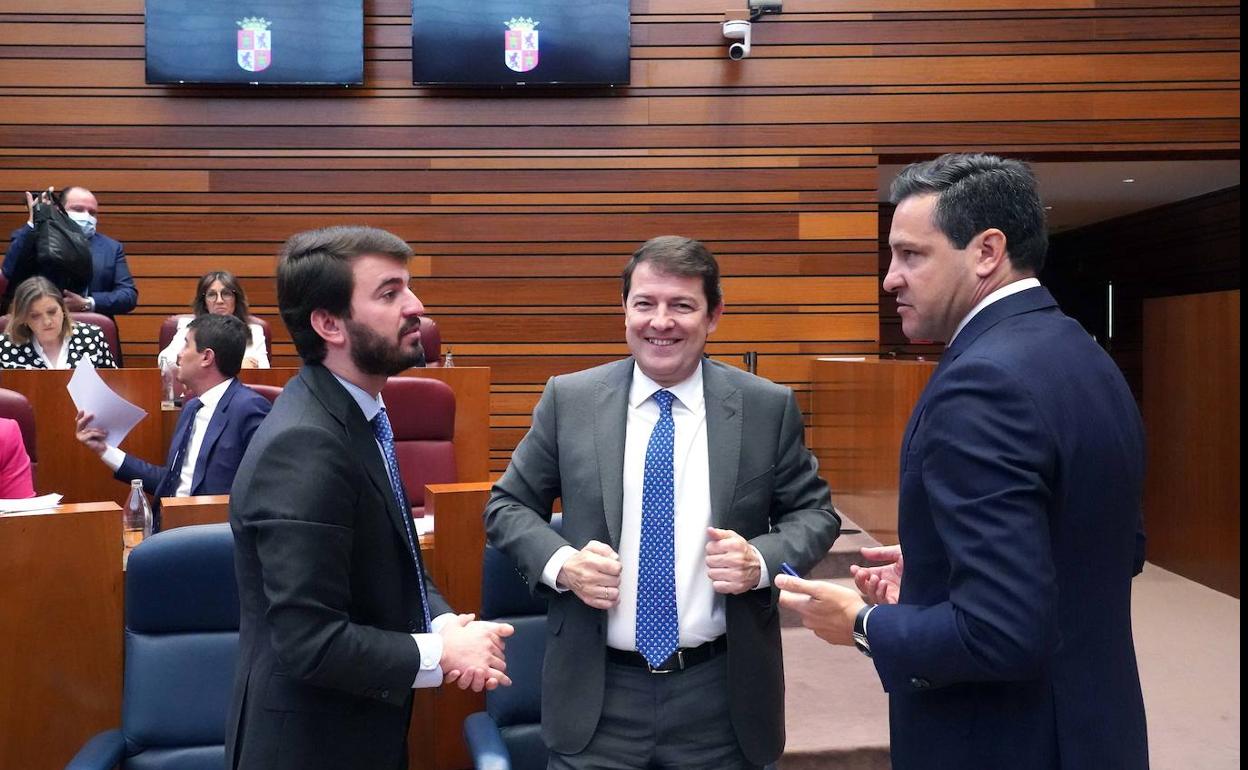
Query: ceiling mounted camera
point(738, 29)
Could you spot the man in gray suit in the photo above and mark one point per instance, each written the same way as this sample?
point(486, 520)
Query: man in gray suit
point(685, 483)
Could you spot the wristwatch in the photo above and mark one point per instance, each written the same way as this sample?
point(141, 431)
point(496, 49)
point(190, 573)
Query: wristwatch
point(860, 630)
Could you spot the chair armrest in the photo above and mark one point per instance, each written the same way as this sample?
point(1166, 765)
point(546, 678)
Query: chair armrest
point(102, 752)
point(485, 743)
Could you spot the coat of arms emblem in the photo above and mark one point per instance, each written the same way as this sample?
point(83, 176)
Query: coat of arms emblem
point(255, 44)
point(520, 44)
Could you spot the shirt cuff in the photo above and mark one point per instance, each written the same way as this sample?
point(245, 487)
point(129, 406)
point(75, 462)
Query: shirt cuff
point(867, 616)
point(430, 674)
point(550, 575)
point(764, 577)
point(113, 457)
point(90, 304)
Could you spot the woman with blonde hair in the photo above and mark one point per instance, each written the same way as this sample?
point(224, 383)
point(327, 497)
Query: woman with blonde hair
point(42, 335)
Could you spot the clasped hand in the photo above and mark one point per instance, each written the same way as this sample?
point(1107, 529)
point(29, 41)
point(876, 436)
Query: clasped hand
point(472, 653)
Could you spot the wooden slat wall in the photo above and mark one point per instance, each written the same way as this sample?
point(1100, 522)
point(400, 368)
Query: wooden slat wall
point(522, 206)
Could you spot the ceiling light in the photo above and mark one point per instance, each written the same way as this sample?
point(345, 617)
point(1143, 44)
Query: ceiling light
point(1128, 180)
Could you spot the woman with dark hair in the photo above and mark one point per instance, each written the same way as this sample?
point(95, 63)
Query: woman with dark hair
point(220, 293)
point(42, 335)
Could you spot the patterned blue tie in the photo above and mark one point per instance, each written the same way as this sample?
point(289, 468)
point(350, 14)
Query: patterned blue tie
point(385, 437)
point(658, 630)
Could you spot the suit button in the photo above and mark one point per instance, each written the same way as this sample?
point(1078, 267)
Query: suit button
point(919, 683)
point(385, 694)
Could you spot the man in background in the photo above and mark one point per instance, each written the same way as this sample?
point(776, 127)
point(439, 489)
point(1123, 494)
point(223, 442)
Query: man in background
point(1006, 640)
point(214, 428)
point(111, 291)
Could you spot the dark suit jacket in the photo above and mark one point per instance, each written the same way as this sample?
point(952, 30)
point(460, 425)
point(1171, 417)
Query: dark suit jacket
point(764, 485)
point(1020, 517)
point(112, 286)
point(239, 412)
point(328, 590)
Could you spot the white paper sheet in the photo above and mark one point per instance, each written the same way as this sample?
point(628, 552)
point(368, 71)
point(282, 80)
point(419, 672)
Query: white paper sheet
point(112, 413)
point(39, 503)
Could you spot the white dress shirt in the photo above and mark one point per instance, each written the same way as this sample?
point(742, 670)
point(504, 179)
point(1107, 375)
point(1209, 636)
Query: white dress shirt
point(114, 457)
point(62, 358)
point(999, 294)
point(699, 608)
point(430, 644)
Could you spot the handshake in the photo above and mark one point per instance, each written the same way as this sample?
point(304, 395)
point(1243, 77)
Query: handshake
point(472, 652)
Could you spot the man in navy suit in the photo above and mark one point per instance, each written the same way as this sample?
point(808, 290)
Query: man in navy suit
point(111, 291)
point(214, 428)
point(1008, 643)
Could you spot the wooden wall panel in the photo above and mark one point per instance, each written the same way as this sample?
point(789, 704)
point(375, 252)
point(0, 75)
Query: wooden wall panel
point(523, 206)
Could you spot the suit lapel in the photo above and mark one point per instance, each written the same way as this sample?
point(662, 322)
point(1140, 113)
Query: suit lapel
point(220, 417)
point(1025, 301)
point(723, 437)
point(610, 422)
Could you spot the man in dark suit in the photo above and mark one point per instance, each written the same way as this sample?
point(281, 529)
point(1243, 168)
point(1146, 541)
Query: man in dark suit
point(1008, 643)
point(214, 428)
point(339, 618)
point(685, 483)
point(111, 291)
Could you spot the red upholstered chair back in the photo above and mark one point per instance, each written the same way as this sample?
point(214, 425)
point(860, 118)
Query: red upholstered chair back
point(169, 327)
point(431, 341)
point(102, 321)
point(271, 392)
point(422, 415)
point(14, 406)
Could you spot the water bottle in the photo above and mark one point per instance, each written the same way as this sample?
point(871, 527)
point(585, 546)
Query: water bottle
point(167, 390)
point(136, 519)
point(448, 360)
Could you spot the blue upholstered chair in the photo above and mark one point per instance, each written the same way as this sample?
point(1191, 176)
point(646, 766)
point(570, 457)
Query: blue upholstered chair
point(508, 734)
point(181, 647)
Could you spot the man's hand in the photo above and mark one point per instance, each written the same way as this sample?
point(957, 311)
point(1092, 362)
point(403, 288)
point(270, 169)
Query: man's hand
point(45, 198)
point(250, 362)
point(826, 608)
point(472, 653)
point(92, 438)
point(75, 302)
point(593, 574)
point(882, 584)
point(731, 564)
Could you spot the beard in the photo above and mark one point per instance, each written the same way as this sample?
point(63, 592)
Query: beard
point(373, 354)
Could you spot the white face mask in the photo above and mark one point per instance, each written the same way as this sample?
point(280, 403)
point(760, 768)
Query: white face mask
point(84, 220)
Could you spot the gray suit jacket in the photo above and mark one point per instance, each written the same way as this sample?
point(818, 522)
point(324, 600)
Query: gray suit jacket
point(764, 485)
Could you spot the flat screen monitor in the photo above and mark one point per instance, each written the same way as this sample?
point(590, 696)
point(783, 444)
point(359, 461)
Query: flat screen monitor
point(520, 42)
point(257, 41)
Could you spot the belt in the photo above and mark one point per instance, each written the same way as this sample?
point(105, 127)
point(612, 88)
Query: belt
point(680, 660)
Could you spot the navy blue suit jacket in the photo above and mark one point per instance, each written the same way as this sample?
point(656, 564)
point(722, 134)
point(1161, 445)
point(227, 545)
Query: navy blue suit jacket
point(1020, 520)
point(112, 286)
point(239, 413)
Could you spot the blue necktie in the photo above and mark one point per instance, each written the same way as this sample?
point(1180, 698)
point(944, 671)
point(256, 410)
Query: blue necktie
point(385, 437)
point(658, 630)
point(174, 477)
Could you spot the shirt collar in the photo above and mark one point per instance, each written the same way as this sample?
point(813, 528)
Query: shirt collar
point(211, 397)
point(999, 294)
point(368, 405)
point(688, 391)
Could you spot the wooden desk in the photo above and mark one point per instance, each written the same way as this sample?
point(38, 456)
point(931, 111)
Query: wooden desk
point(68, 467)
point(859, 415)
point(189, 511)
point(61, 621)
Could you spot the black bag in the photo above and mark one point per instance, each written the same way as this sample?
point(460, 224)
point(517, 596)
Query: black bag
point(62, 250)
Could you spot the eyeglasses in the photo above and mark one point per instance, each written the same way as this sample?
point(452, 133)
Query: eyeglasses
point(213, 296)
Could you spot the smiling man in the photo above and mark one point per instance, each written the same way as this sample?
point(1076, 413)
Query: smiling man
point(685, 483)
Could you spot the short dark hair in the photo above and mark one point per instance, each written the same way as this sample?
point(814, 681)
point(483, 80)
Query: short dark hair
point(677, 255)
point(314, 272)
point(976, 192)
point(227, 279)
point(225, 335)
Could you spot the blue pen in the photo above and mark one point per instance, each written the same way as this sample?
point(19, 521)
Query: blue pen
point(784, 567)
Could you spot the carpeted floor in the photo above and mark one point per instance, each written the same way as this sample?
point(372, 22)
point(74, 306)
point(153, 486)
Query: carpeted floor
point(1187, 642)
